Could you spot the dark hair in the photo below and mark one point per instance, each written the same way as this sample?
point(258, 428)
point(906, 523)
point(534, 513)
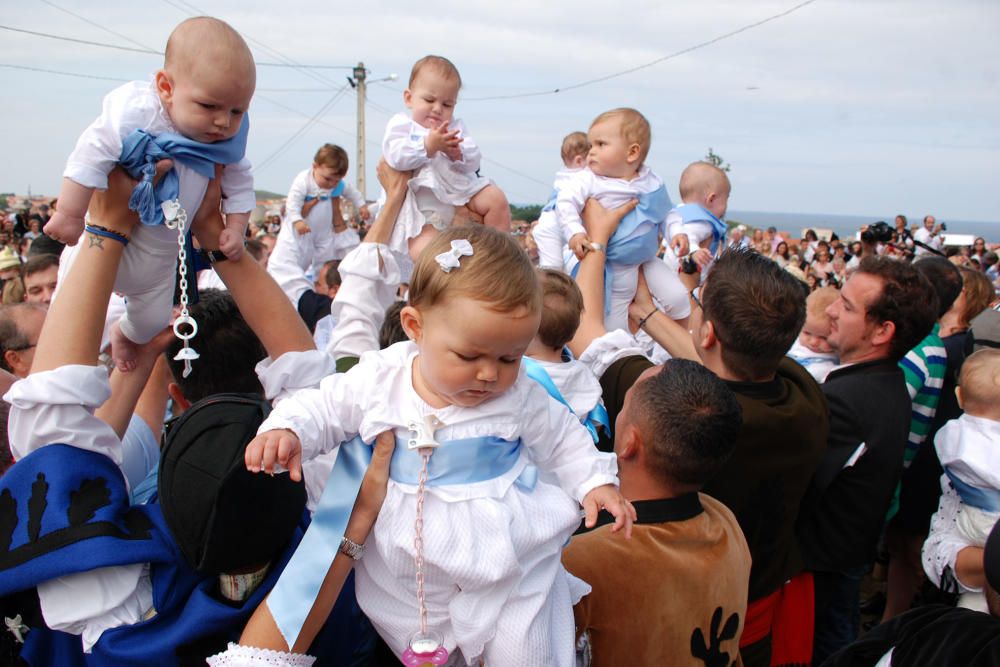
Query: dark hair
point(37, 263)
point(907, 300)
point(757, 309)
point(562, 304)
point(229, 350)
point(944, 277)
point(333, 156)
point(332, 273)
point(690, 420)
point(391, 331)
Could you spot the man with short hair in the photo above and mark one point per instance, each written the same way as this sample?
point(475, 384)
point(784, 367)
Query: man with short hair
point(885, 308)
point(20, 326)
point(743, 321)
point(929, 235)
point(688, 561)
point(41, 276)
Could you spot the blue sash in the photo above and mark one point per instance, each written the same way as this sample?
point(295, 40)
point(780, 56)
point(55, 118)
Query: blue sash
point(627, 249)
point(336, 192)
point(598, 416)
point(698, 213)
point(141, 151)
point(550, 205)
point(987, 500)
point(462, 461)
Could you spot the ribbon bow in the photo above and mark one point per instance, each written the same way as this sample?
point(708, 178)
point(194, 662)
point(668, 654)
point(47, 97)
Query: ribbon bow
point(448, 260)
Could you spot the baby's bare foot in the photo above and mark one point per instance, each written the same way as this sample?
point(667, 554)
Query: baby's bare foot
point(123, 350)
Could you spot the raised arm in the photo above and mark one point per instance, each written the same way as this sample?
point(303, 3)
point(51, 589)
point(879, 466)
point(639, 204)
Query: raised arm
point(265, 307)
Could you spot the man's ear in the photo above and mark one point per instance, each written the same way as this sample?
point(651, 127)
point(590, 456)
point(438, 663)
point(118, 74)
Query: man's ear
point(706, 335)
point(629, 443)
point(164, 85)
point(883, 333)
point(180, 402)
point(412, 322)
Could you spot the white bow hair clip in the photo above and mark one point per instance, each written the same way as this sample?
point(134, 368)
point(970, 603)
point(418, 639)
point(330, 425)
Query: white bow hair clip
point(448, 260)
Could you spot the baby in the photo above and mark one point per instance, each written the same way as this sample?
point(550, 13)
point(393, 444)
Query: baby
point(811, 349)
point(547, 233)
point(548, 361)
point(431, 141)
point(967, 447)
point(617, 174)
point(194, 113)
point(695, 228)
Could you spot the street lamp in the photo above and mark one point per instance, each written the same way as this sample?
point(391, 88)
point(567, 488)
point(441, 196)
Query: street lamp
point(360, 83)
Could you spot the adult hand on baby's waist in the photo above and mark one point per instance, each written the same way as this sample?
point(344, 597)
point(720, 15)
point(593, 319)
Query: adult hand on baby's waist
point(208, 223)
point(109, 208)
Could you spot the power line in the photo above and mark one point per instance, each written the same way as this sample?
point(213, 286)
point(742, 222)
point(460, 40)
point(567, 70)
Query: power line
point(152, 52)
point(95, 24)
point(671, 56)
point(312, 121)
point(55, 71)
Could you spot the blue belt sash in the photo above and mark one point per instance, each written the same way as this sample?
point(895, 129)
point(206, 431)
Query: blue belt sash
point(141, 151)
point(598, 416)
point(691, 213)
point(463, 461)
point(336, 192)
point(987, 500)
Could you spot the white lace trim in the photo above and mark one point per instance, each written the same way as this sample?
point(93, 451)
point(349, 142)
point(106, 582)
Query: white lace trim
point(249, 656)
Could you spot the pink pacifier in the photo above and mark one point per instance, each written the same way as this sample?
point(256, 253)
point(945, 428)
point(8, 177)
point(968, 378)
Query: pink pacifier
point(426, 648)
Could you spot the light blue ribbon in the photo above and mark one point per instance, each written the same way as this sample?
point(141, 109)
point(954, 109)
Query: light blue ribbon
point(463, 461)
point(697, 213)
point(141, 151)
point(627, 249)
point(987, 500)
point(598, 416)
point(336, 192)
point(550, 205)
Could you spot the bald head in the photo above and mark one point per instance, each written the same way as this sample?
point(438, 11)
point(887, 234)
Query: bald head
point(979, 384)
point(204, 42)
point(700, 179)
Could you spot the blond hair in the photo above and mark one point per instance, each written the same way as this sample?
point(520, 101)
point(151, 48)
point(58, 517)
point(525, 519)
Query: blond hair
point(979, 382)
point(817, 302)
point(498, 273)
point(562, 303)
point(333, 156)
point(634, 127)
point(700, 179)
point(574, 145)
point(438, 64)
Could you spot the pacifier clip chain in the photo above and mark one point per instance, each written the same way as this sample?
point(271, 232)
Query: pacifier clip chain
point(185, 326)
point(426, 648)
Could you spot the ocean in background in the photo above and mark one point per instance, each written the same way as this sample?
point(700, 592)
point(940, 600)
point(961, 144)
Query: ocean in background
point(847, 225)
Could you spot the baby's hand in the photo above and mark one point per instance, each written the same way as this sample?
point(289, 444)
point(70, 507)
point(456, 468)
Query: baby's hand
point(440, 139)
point(278, 446)
point(365, 214)
point(231, 244)
point(701, 257)
point(680, 244)
point(453, 153)
point(579, 243)
point(64, 228)
point(608, 497)
point(301, 227)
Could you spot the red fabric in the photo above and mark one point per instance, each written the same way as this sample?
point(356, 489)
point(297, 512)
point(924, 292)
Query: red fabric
point(787, 615)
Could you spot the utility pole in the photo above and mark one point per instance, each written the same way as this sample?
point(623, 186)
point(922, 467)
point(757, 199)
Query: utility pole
point(359, 79)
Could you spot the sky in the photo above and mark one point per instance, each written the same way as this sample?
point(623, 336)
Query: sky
point(853, 107)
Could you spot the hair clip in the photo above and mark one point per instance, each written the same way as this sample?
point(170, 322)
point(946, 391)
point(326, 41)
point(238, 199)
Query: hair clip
point(448, 260)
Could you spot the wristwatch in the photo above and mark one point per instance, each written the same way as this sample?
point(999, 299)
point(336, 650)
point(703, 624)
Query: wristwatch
point(212, 256)
point(351, 549)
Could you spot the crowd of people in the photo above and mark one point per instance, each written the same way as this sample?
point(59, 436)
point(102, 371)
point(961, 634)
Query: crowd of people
point(627, 433)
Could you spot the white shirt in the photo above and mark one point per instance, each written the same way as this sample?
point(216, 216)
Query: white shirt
point(136, 106)
point(924, 236)
point(403, 145)
point(576, 383)
point(581, 185)
point(304, 185)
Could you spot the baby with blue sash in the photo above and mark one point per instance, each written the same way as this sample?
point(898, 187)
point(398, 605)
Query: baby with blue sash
point(695, 228)
point(488, 474)
point(969, 448)
point(193, 113)
point(312, 232)
point(616, 174)
point(445, 159)
point(547, 232)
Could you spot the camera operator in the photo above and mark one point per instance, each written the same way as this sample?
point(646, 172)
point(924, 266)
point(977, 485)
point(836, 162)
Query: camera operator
point(929, 238)
point(875, 234)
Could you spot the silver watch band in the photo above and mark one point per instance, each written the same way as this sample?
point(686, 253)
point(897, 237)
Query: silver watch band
point(351, 549)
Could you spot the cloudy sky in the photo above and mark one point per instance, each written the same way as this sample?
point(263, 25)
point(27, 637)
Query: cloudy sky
point(864, 107)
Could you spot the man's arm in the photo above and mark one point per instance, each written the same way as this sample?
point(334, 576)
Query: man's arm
point(264, 306)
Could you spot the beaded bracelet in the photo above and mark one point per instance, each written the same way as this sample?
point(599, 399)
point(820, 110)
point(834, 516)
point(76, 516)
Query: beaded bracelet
point(643, 320)
point(97, 230)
